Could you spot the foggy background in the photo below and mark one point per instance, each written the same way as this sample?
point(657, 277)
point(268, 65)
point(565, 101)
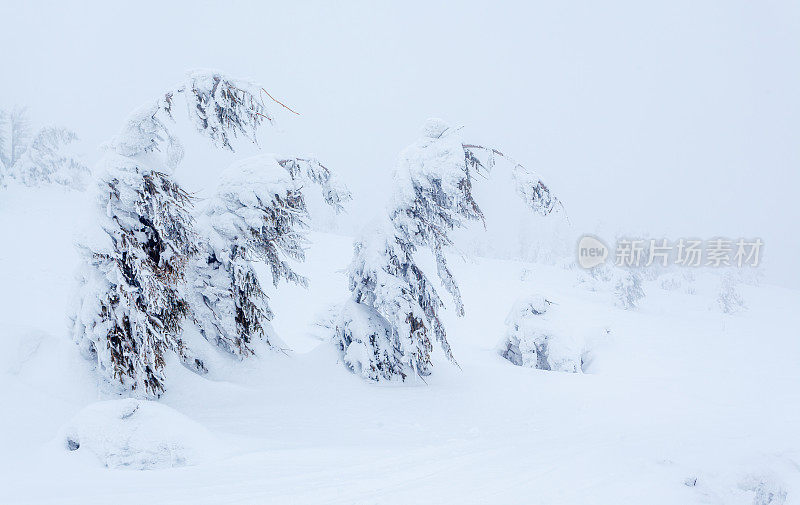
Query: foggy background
point(672, 119)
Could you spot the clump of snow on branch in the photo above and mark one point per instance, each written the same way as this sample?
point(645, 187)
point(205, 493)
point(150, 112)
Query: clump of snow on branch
point(531, 340)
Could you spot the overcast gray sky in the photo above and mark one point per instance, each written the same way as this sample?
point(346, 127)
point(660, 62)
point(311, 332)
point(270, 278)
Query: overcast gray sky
point(676, 117)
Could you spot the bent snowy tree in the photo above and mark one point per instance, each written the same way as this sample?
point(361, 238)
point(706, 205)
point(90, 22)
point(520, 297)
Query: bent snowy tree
point(387, 328)
point(131, 308)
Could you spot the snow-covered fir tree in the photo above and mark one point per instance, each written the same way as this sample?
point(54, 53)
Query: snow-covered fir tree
point(3, 153)
point(15, 135)
point(729, 299)
point(628, 289)
point(34, 159)
point(624, 284)
point(387, 329)
point(131, 309)
point(597, 278)
point(258, 213)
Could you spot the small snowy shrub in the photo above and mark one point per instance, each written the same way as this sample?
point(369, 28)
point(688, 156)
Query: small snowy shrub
point(678, 281)
point(765, 490)
point(729, 299)
point(670, 281)
point(628, 289)
point(532, 342)
point(624, 284)
point(597, 278)
point(689, 280)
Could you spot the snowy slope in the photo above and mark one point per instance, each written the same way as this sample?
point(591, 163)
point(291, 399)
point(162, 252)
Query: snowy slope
point(683, 404)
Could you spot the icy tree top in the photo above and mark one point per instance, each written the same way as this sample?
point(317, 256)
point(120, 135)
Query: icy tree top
point(433, 186)
point(433, 181)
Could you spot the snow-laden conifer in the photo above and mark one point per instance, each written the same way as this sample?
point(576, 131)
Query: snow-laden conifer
point(625, 284)
point(131, 307)
point(729, 299)
point(628, 289)
point(34, 159)
point(3, 154)
point(45, 162)
point(388, 327)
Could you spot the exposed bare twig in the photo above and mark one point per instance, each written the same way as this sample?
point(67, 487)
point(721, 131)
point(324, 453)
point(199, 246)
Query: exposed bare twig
point(279, 103)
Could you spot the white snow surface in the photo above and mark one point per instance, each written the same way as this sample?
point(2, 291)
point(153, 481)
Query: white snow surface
point(683, 403)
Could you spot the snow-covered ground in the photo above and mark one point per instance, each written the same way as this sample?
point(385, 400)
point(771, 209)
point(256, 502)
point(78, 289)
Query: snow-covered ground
point(682, 404)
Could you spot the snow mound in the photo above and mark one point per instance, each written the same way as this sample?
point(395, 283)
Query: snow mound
point(138, 434)
point(532, 340)
point(760, 485)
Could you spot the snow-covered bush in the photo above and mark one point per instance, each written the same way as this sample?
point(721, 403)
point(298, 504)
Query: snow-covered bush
point(391, 332)
point(138, 434)
point(674, 281)
point(131, 309)
point(531, 340)
point(765, 489)
point(258, 213)
point(689, 280)
point(628, 289)
point(624, 284)
point(597, 278)
point(670, 281)
point(40, 158)
point(729, 299)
